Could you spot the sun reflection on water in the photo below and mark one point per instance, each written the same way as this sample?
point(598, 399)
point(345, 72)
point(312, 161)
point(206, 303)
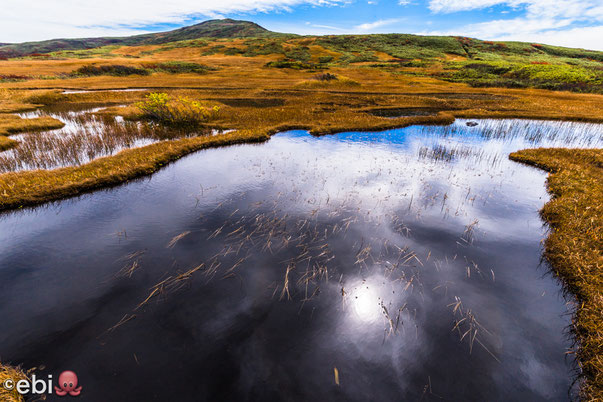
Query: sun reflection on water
point(366, 303)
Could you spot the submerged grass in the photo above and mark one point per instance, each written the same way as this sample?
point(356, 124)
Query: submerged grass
point(34, 187)
point(574, 246)
point(27, 188)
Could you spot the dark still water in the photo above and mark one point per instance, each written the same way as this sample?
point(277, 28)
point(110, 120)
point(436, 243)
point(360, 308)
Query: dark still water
point(404, 265)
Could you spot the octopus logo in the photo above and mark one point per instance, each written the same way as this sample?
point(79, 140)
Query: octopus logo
point(67, 384)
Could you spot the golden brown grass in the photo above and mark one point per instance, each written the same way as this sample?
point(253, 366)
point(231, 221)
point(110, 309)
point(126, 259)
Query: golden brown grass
point(339, 83)
point(13, 124)
point(14, 374)
point(34, 187)
point(26, 188)
point(322, 108)
point(249, 76)
point(574, 246)
point(7, 143)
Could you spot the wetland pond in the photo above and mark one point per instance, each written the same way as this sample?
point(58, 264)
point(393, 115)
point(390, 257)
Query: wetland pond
point(406, 261)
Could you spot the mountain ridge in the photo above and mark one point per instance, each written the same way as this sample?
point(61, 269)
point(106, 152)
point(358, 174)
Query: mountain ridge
point(230, 28)
point(224, 28)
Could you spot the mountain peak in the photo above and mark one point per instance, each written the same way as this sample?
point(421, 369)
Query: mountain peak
point(225, 28)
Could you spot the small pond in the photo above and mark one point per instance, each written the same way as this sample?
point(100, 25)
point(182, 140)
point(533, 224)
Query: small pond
point(408, 261)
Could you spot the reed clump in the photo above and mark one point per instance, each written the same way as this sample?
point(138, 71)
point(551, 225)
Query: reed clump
point(574, 246)
point(95, 136)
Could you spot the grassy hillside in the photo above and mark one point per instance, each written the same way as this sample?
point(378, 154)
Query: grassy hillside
point(211, 29)
point(453, 59)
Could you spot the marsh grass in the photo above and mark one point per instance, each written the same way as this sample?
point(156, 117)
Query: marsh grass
point(115, 70)
point(406, 78)
point(7, 143)
point(88, 137)
point(14, 374)
point(13, 124)
point(327, 80)
point(35, 187)
point(118, 70)
point(574, 246)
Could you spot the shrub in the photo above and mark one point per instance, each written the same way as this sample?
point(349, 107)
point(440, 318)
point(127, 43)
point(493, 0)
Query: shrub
point(486, 68)
point(179, 112)
point(296, 65)
point(178, 67)
point(325, 77)
point(298, 53)
point(325, 59)
point(13, 77)
point(113, 70)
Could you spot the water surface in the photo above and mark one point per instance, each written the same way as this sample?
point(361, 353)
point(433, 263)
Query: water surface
point(409, 260)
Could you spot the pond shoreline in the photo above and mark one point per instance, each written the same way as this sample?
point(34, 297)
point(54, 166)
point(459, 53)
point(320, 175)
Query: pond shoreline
point(30, 188)
point(150, 159)
point(348, 196)
point(573, 247)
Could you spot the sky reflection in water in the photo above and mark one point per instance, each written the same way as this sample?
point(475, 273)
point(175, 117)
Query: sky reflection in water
point(408, 259)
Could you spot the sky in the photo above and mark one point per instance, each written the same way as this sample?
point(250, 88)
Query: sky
point(572, 23)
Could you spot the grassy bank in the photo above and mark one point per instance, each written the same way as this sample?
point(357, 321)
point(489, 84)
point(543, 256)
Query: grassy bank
point(7, 143)
point(29, 188)
point(13, 124)
point(14, 374)
point(575, 246)
point(35, 187)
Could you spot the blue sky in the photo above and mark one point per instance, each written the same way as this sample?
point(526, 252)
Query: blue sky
point(575, 23)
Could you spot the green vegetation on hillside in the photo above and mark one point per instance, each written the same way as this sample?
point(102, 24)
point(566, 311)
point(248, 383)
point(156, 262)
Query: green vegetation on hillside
point(117, 70)
point(226, 28)
point(578, 77)
point(457, 59)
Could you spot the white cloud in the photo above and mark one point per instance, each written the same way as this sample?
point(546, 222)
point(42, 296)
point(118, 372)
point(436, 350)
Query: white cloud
point(464, 5)
point(545, 21)
point(26, 20)
point(578, 9)
point(582, 37)
point(579, 37)
point(369, 26)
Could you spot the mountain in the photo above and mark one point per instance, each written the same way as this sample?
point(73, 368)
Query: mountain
point(226, 28)
point(354, 48)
